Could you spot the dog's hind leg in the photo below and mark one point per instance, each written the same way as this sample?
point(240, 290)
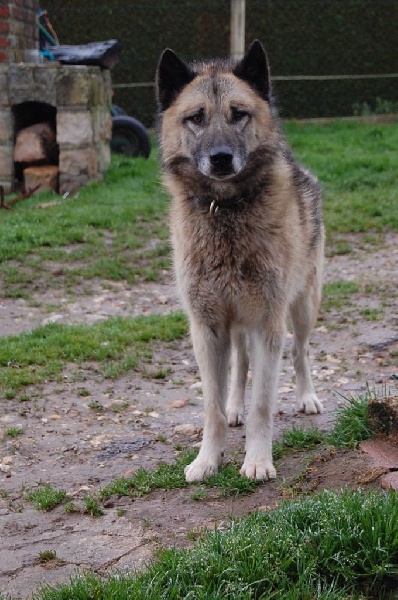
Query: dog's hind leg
point(303, 312)
point(212, 355)
point(266, 353)
point(239, 368)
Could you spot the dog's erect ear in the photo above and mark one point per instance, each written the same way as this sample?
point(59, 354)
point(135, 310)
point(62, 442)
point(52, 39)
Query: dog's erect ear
point(171, 77)
point(253, 68)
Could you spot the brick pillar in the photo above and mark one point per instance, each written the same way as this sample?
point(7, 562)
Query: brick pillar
point(18, 29)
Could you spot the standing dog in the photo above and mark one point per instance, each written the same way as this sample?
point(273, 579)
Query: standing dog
point(248, 240)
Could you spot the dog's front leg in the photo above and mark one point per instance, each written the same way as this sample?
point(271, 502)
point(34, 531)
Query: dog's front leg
point(266, 353)
point(239, 368)
point(212, 354)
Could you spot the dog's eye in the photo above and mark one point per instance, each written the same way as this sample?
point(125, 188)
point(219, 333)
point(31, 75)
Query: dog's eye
point(197, 118)
point(238, 114)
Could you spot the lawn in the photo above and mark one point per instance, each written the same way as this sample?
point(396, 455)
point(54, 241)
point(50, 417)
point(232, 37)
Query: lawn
point(103, 231)
point(325, 547)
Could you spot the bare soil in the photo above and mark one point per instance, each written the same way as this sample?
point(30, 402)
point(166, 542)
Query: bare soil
point(143, 422)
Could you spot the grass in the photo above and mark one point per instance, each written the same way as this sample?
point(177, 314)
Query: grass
point(351, 426)
point(14, 431)
point(103, 231)
point(117, 344)
point(356, 165)
point(330, 546)
point(45, 497)
point(171, 476)
point(336, 294)
point(297, 438)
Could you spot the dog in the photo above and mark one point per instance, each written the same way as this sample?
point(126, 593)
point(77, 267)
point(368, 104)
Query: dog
point(247, 237)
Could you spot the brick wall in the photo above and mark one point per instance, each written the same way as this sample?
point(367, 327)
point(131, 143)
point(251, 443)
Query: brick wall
point(18, 29)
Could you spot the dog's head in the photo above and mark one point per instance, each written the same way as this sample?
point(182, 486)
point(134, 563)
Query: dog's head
point(215, 114)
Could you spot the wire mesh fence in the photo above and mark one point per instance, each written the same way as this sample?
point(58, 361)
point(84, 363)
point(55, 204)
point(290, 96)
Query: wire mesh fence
point(328, 57)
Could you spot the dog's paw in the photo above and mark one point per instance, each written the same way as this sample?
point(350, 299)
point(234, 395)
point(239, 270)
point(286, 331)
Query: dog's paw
point(199, 470)
point(235, 417)
point(310, 404)
point(259, 470)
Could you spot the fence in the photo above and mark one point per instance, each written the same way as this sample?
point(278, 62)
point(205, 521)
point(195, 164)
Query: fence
point(327, 56)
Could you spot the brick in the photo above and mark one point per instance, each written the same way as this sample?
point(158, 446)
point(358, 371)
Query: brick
point(4, 11)
point(6, 162)
point(79, 161)
point(6, 126)
point(4, 27)
point(74, 128)
point(4, 42)
point(74, 87)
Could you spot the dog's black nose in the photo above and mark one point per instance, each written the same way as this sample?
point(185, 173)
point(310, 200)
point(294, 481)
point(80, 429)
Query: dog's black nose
point(221, 159)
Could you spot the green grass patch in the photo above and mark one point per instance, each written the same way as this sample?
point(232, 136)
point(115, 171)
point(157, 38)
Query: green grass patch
point(351, 426)
point(336, 295)
point(117, 344)
point(330, 546)
point(356, 165)
point(171, 476)
point(92, 506)
point(371, 314)
point(45, 497)
point(102, 231)
point(297, 438)
point(14, 431)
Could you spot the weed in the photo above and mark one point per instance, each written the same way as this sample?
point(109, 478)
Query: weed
point(371, 314)
point(45, 497)
point(297, 438)
point(47, 556)
point(351, 425)
point(380, 107)
point(336, 294)
point(92, 507)
point(227, 482)
point(14, 431)
point(83, 392)
point(95, 405)
point(118, 408)
point(70, 508)
point(157, 373)
point(199, 494)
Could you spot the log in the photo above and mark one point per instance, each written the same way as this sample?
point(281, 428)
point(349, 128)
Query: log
point(46, 177)
point(36, 143)
point(103, 54)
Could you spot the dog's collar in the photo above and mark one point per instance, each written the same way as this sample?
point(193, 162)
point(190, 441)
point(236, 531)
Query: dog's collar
point(213, 205)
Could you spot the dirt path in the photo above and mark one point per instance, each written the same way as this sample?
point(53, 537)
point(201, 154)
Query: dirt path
point(74, 447)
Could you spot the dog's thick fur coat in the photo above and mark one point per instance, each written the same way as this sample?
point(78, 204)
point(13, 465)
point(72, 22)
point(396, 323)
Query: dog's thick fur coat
point(248, 240)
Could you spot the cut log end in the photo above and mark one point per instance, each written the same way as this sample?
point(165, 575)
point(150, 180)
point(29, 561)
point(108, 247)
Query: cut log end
point(46, 176)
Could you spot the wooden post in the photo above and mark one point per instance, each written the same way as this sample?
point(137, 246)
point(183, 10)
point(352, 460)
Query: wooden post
point(238, 28)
